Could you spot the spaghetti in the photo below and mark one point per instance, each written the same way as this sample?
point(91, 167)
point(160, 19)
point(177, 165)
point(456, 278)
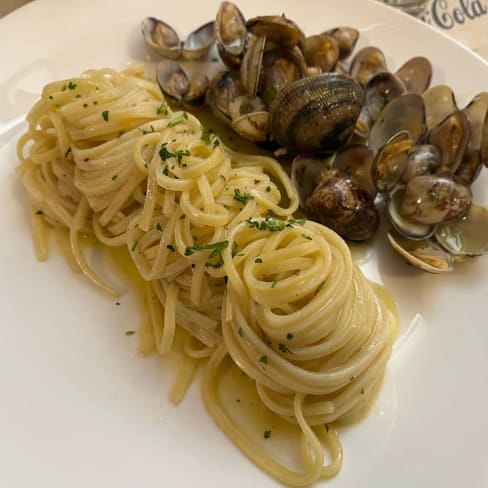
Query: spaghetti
point(225, 265)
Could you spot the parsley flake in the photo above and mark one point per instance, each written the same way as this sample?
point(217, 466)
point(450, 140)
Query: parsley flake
point(289, 336)
point(130, 332)
point(164, 154)
point(243, 198)
point(162, 109)
point(258, 260)
point(159, 227)
point(267, 434)
point(105, 115)
point(263, 359)
point(134, 245)
point(39, 212)
point(114, 177)
point(67, 152)
point(284, 348)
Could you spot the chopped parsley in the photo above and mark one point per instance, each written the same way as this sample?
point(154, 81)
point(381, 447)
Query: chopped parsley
point(320, 286)
point(114, 177)
point(269, 223)
point(67, 152)
point(170, 247)
point(284, 348)
point(130, 332)
point(50, 97)
point(267, 434)
point(289, 336)
point(182, 217)
point(162, 109)
point(268, 189)
point(263, 359)
point(120, 134)
point(327, 428)
point(71, 85)
point(273, 282)
point(180, 154)
point(178, 120)
point(243, 198)
point(164, 154)
point(85, 105)
point(133, 248)
point(159, 227)
point(39, 212)
point(217, 248)
point(362, 391)
point(240, 331)
point(105, 115)
point(166, 171)
point(258, 260)
point(306, 237)
point(95, 102)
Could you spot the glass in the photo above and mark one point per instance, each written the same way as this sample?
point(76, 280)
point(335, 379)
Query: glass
point(412, 7)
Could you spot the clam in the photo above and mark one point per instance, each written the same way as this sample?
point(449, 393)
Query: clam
point(368, 62)
point(278, 30)
point(470, 166)
point(356, 160)
point(403, 113)
point(199, 42)
point(422, 159)
point(416, 74)
point(231, 33)
point(305, 174)
point(403, 226)
point(322, 51)
point(390, 161)
point(316, 113)
point(249, 118)
point(341, 204)
point(467, 236)
point(379, 91)
point(477, 114)
point(439, 102)
point(451, 136)
point(280, 68)
point(224, 88)
point(161, 37)
point(251, 66)
point(424, 254)
point(175, 84)
point(432, 199)
point(346, 38)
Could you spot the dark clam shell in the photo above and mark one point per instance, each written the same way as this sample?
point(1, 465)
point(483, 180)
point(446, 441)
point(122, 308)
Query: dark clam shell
point(416, 74)
point(341, 204)
point(346, 38)
point(317, 113)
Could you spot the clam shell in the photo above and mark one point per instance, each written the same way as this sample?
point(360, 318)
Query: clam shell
point(403, 113)
point(432, 199)
point(316, 113)
point(422, 159)
point(439, 102)
point(451, 136)
point(199, 42)
point(277, 29)
point(424, 255)
point(161, 37)
point(346, 38)
point(341, 204)
point(322, 50)
point(368, 62)
point(231, 33)
point(416, 74)
point(467, 236)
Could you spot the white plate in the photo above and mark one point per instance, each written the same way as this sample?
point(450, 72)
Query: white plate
point(78, 407)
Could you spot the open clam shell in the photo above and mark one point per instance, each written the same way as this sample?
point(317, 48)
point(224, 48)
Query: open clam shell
point(231, 33)
point(422, 159)
point(277, 29)
point(403, 113)
point(432, 199)
point(439, 102)
point(356, 160)
point(390, 161)
point(346, 38)
point(305, 174)
point(467, 236)
point(368, 62)
point(251, 66)
point(161, 37)
point(451, 136)
point(403, 226)
point(199, 42)
point(416, 74)
point(380, 90)
point(424, 254)
point(322, 51)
